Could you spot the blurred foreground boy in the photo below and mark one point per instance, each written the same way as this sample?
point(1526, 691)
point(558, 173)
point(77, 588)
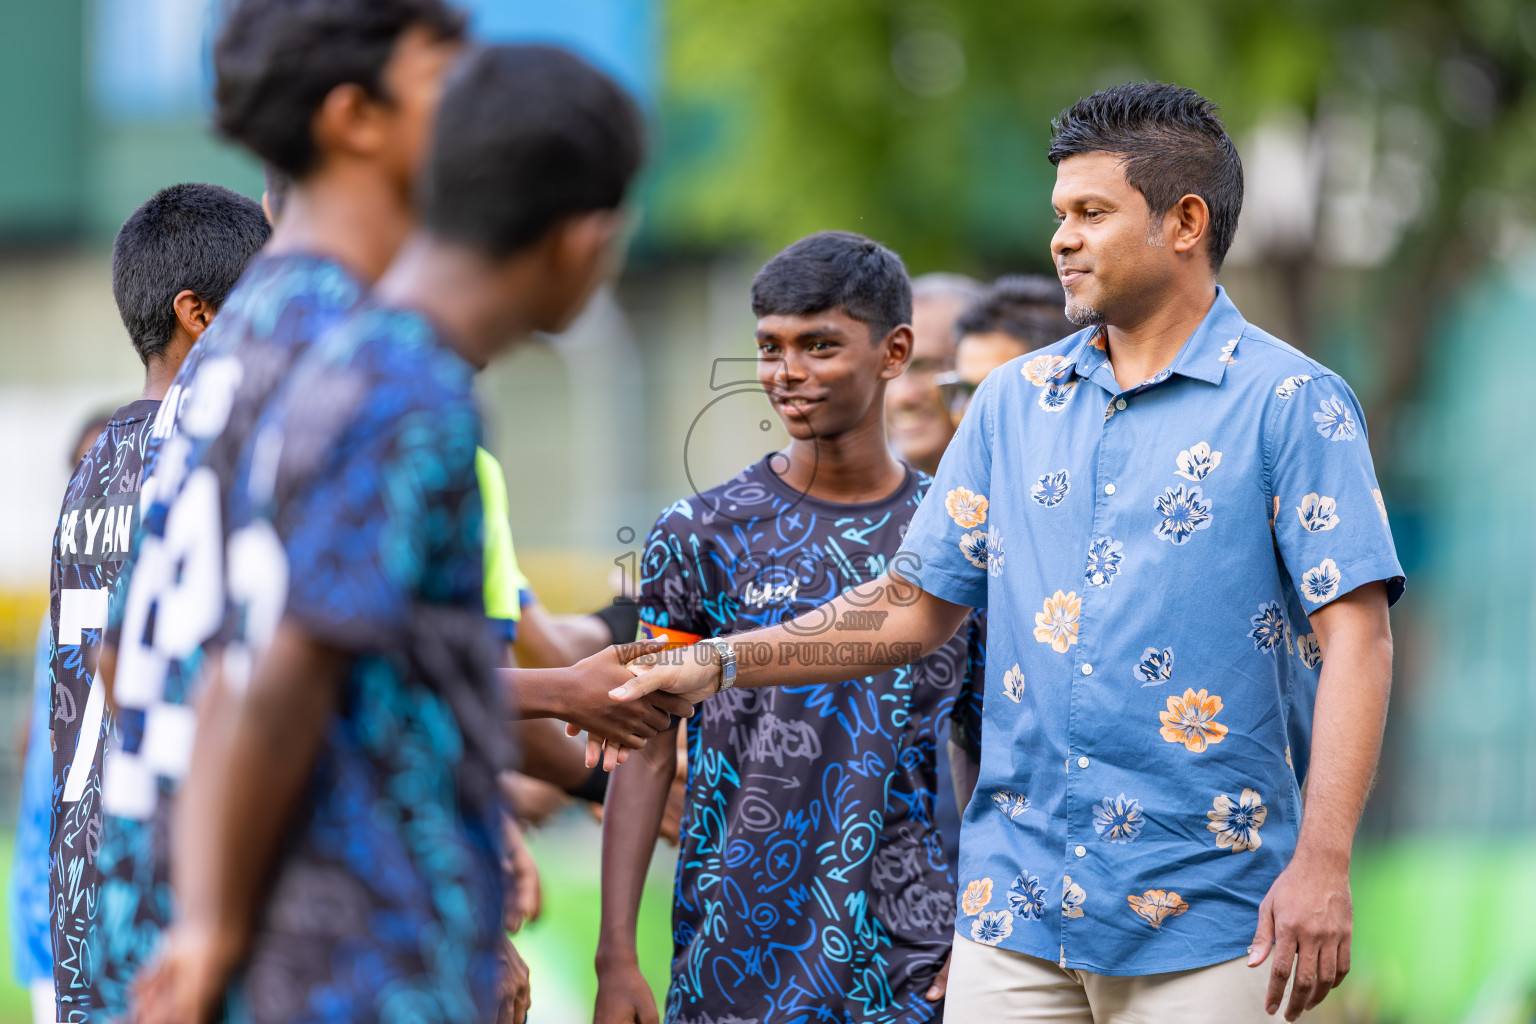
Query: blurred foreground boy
point(345, 847)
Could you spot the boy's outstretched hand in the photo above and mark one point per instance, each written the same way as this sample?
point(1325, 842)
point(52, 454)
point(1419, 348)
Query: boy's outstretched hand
point(581, 700)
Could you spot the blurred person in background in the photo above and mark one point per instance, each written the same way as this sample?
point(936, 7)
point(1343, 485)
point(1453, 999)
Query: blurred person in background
point(337, 96)
point(1171, 480)
point(1017, 313)
point(174, 262)
point(916, 417)
point(920, 426)
point(30, 909)
point(811, 881)
point(358, 722)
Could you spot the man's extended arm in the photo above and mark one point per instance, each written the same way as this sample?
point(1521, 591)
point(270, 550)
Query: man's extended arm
point(637, 799)
point(1307, 915)
point(809, 650)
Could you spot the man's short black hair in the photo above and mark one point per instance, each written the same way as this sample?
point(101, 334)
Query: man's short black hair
point(1173, 143)
point(188, 237)
point(526, 137)
point(275, 61)
point(1029, 308)
point(836, 270)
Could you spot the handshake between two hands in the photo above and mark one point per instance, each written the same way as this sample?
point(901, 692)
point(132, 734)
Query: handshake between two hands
point(628, 694)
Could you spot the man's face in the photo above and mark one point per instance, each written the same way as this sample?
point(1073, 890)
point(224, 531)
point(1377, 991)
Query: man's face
point(822, 372)
point(1113, 259)
point(413, 84)
point(919, 424)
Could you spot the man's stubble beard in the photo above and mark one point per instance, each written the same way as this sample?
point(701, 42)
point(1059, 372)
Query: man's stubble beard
point(1083, 315)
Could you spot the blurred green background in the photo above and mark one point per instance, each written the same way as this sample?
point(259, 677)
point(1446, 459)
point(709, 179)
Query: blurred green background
point(1390, 153)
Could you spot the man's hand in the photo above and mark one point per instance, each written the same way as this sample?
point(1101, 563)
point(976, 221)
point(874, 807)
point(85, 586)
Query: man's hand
point(940, 981)
point(623, 997)
point(516, 995)
point(683, 672)
point(1308, 918)
point(185, 980)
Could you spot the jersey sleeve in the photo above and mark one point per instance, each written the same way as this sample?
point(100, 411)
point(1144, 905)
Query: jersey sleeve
point(670, 596)
point(504, 583)
point(395, 518)
point(946, 547)
point(1329, 520)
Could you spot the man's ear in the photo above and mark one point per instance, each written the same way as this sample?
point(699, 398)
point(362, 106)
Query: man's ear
point(898, 352)
point(193, 312)
point(1191, 222)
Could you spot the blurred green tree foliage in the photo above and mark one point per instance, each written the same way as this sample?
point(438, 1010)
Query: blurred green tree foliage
point(925, 124)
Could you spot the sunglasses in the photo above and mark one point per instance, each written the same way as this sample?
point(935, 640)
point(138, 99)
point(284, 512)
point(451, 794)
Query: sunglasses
point(954, 391)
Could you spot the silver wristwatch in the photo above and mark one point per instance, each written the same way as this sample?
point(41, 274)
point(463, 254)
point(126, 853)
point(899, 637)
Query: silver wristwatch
point(727, 655)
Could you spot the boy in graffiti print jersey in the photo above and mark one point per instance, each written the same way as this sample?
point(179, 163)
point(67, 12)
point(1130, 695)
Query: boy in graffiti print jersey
point(811, 883)
point(173, 264)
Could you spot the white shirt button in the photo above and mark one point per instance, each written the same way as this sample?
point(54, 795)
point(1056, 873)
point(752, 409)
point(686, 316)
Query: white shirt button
point(1109, 488)
point(1082, 762)
point(1081, 851)
point(1087, 670)
point(1120, 404)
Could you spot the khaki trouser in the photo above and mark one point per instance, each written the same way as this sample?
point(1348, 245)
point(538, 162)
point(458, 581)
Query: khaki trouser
point(999, 986)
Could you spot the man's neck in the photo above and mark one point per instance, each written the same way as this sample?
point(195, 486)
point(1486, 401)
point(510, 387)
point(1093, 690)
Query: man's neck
point(1143, 348)
point(850, 469)
point(351, 214)
point(463, 295)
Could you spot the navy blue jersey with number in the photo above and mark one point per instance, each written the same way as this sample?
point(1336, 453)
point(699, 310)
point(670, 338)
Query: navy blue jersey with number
point(812, 883)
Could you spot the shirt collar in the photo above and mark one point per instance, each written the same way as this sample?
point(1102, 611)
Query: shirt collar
point(1204, 356)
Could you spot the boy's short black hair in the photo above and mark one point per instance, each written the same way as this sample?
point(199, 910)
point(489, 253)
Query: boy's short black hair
point(275, 61)
point(526, 136)
point(836, 270)
point(1029, 308)
point(193, 237)
point(1173, 143)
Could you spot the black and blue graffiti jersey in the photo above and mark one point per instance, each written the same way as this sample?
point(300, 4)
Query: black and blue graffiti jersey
point(96, 524)
point(811, 882)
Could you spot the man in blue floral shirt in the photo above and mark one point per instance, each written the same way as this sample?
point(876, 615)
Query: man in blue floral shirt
point(1187, 569)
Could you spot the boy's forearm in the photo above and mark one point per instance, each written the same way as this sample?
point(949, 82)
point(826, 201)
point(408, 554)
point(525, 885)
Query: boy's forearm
point(632, 814)
point(536, 692)
point(249, 775)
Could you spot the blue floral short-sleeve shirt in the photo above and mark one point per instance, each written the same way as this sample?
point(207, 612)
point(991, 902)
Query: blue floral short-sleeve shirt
point(1148, 558)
